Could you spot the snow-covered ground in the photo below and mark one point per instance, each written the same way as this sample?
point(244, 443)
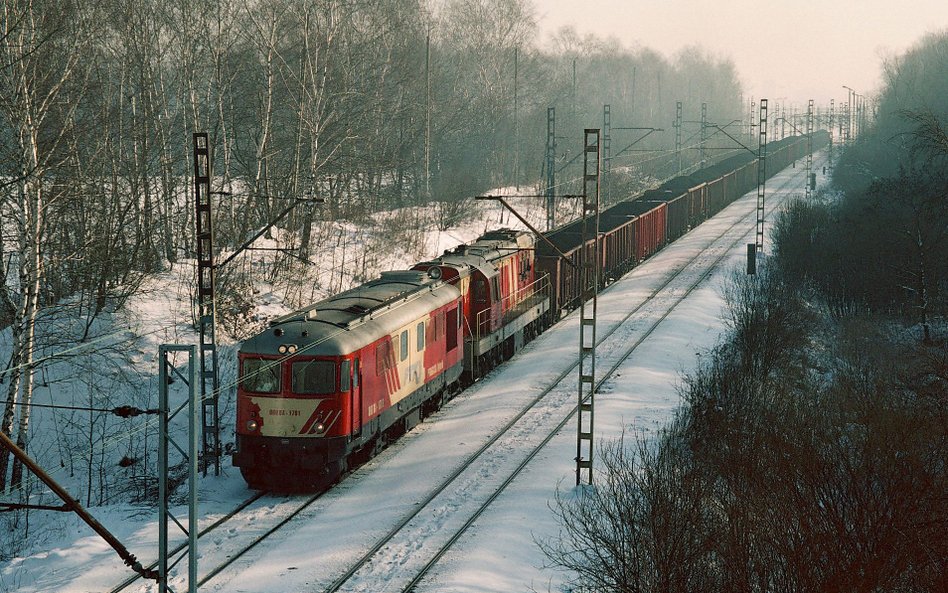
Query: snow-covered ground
point(499, 553)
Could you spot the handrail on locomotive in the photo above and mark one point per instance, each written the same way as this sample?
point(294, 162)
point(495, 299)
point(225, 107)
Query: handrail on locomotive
point(512, 306)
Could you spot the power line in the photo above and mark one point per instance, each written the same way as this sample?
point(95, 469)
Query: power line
point(121, 411)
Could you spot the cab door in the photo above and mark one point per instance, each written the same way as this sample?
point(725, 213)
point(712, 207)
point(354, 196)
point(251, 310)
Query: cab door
point(355, 394)
point(480, 306)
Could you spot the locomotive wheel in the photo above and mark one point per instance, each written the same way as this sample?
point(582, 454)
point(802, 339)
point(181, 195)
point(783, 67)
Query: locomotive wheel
point(369, 450)
point(254, 479)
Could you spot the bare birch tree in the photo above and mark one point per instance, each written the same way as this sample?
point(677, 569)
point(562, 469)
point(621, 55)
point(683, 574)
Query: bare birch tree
point(42, 85)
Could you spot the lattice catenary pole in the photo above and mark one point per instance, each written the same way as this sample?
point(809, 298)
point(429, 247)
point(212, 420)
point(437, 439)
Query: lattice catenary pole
point(761, 173)
point(678, 134)
point(209, 381)
point(168, 410)
point(832, 118)
point(809, 150)
point(550, 167)
point(606, 144)
point(589, 278)
point(704, 133)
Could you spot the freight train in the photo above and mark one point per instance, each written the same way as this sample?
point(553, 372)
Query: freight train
point(326, 387)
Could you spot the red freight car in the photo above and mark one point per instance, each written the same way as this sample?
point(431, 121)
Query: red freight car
point(563, 274)
point(676, 223)
point(636, 229)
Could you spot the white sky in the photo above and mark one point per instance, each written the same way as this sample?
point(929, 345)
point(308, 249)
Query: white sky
point(793, 50)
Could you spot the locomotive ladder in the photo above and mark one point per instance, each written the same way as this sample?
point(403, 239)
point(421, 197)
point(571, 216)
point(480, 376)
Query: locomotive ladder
point(208, 377)
point(550, 167)
point(761, 173)
point(589, 277)
point(809, 150)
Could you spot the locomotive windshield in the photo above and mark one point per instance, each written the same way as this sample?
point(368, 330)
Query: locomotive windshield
point(314, 376)
point(260, 375)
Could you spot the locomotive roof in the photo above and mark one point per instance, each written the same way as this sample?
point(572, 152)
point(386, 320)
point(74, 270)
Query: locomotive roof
point(466, 263)
point(488, 248)
point(495, 244)
point(352, 319)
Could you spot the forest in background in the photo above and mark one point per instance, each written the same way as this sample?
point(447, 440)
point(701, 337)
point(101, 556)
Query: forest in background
point(365, 105)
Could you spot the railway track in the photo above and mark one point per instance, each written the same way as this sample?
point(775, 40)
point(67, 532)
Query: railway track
point(203, 533)
point(230, 547)
point(231, 556)
point(406, 554)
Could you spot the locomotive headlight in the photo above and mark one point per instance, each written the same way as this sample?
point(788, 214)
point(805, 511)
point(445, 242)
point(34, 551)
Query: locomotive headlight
point(290, 349)
point(282, 349)
point(252, 426)
point(320, 427)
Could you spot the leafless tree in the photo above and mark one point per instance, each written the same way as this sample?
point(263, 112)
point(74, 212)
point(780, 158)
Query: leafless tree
point(42, 86)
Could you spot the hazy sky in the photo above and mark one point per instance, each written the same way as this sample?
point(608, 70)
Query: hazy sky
point(794, 50)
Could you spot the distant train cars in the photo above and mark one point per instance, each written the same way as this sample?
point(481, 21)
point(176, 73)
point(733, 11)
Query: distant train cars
point(632, 230)
point(328, 386)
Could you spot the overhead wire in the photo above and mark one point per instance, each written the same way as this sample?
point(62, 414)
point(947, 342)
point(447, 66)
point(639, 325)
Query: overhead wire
point(124, 410)
point(280, 360)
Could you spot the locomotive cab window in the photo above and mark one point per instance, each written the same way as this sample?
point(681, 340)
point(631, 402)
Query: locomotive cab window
point(480, 291)
point(452, 329)
point(344, 382)
point(420, 337)
point(403, 346)
point(260, 375)
point(384, 357)
point(314, 377)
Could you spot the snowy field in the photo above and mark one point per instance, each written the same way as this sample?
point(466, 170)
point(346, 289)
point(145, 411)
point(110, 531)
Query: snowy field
point(499, 553)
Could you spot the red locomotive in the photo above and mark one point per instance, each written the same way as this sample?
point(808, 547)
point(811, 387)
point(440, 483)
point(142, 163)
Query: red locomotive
point(336, 379)
point(505, 302)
